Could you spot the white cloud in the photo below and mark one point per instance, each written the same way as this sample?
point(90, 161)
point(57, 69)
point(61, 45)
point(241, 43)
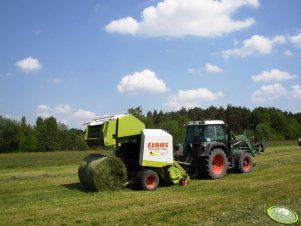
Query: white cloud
point(212, 68)
point(208, 68)
point(191, 98)
point(7, 116)
point(144, 81)
point(125, 25)
point(44, 108)
point(268, 93)
point(296, 40)
point(62, 108)
point(64, 113)
point(257, 44)
point(296, 91)
point(84, 115)
point(44, 114)
point(206, 18)
point(29, 64)
point(279, 40)
point(273, 75)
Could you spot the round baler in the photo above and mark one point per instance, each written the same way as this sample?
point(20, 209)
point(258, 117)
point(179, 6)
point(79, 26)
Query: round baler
point(144, 156)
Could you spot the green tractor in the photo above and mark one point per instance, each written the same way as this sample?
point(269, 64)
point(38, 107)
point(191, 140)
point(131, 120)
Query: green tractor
point(209, 150)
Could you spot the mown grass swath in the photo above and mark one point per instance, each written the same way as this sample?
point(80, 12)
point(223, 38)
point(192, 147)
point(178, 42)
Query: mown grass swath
point(45, 190)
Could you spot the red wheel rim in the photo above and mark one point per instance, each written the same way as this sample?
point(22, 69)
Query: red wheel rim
point(218, 164)
point(151, 181)
point(246, 165)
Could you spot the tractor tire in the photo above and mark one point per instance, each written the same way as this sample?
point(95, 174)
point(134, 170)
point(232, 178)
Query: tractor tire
point(215, 165)
point(244, 162)
point(148, 180)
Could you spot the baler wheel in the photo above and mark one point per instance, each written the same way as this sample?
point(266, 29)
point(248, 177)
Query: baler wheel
point(148, 180)
point(184, 182)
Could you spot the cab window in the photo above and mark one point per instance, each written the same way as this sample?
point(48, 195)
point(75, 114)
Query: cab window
point(220, 133)
point(210, 133)
point(194, 134)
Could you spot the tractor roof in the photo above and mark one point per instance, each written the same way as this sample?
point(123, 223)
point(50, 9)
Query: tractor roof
point(205, 122)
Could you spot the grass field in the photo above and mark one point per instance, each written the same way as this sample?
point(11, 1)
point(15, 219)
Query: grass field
point(43, 189)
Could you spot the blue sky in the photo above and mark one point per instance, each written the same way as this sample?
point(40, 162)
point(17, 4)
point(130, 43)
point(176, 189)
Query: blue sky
point(77, 60)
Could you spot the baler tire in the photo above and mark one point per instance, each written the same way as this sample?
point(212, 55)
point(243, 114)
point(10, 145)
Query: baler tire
point(184, 182)
point(148, 180)
point(245, 163)
point(215, 165)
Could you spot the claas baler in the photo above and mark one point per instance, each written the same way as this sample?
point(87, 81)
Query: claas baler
point(146, 153)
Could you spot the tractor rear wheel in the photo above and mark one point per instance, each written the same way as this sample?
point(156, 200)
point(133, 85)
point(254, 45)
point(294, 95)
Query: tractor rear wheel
point(245, 163)
point(148, 180)
point(215, 165)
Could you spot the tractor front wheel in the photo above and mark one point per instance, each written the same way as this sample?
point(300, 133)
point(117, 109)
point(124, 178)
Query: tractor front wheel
point(148, 180)
point(245, 163)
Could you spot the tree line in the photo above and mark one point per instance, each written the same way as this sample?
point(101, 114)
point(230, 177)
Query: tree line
point(46, 135)
point(269, 123)
point(50, 135)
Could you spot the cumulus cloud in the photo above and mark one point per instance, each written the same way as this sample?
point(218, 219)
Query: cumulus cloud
point(273, 75)
point(83, 115)
point(296, 40)
point(175, 18)
point(257, 44)
point(144, 81)
point(29, 64)
point(65, 114)
point(43, 108)
point(212, 68)
point(191, 98)
point(126, 25)
point(268, 93)
point(296, 91)
point(62, 108)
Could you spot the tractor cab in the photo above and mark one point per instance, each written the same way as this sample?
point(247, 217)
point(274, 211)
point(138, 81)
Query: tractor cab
point(203, 132)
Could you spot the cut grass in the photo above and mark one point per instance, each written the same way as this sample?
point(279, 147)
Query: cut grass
point(37, 191)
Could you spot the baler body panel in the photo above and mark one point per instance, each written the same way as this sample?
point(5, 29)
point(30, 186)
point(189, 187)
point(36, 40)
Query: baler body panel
point(156, 148)
point(105, 131)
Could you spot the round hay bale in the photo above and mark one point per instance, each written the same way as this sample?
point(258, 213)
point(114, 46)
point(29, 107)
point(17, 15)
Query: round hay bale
point(299, 142)
point(84, 171)
point(99, 173)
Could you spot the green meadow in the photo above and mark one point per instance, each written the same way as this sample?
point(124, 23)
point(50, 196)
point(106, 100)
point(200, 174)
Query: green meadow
point(43, 189)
